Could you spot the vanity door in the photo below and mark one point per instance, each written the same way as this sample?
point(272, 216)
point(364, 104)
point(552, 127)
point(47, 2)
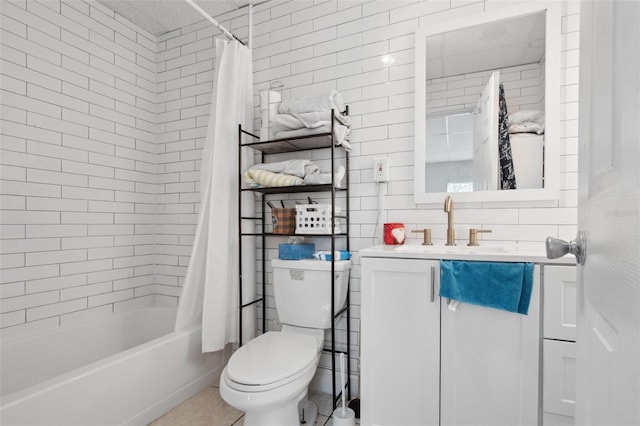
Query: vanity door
point(559, 347)
point(489, 362)
point(400, 345)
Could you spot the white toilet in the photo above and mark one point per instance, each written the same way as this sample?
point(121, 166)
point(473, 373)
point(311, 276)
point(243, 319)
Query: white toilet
point(267, 377)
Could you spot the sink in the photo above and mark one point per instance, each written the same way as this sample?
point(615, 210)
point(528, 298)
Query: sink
point(451, 249)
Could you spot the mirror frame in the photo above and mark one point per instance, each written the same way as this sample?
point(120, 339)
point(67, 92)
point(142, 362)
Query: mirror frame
point(552, 151)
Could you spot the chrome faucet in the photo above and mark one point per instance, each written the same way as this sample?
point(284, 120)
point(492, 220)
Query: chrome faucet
point(448, 207)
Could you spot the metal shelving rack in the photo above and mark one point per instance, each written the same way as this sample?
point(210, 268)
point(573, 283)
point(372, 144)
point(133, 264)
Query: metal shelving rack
point(277, 146)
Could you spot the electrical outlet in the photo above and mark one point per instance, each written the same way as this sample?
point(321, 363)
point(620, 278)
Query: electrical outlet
point(381, 170)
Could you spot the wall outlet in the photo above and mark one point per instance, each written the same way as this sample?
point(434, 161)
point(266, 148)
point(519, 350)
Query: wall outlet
point(381, 170)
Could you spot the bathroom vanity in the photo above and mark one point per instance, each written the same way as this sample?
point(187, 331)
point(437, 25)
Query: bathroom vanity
point(424, 363)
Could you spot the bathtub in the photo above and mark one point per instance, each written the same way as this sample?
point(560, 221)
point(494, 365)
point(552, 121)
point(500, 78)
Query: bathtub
point(127, 368)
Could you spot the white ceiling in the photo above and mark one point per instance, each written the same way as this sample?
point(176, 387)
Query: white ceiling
point(161, 16)
point(491, 46)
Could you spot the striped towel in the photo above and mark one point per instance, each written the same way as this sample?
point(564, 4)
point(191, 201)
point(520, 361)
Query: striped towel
point(265, 178)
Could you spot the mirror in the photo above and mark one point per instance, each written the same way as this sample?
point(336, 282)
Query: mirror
point(487, 103)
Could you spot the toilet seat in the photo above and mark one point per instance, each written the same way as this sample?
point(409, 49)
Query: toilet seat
point(271, 360)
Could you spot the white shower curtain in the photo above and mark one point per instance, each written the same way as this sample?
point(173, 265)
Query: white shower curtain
point(210, 289)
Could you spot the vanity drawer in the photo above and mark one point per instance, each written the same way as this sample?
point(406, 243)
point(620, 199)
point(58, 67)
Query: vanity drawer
point(560, 301)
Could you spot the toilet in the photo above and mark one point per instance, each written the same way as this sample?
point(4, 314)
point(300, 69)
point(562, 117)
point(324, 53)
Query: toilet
point(269, 376)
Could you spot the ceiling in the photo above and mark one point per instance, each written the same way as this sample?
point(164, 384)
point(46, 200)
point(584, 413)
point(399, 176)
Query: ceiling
point(501, 44)
point(161, 16)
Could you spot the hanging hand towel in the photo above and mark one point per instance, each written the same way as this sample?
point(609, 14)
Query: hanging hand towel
point(498, 285)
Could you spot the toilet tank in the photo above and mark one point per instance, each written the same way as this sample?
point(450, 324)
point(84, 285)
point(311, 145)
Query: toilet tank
point(302, 291)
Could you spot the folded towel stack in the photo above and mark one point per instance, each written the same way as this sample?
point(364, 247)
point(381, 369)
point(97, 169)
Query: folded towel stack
point(257, 177)
point(498, 285)
point(526, 122)
point(290, 173)
point(301, 117)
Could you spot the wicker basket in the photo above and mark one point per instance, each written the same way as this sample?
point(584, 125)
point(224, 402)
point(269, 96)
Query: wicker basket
point(283, 220)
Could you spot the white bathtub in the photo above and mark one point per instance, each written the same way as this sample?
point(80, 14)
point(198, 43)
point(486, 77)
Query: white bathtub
point(127, 368)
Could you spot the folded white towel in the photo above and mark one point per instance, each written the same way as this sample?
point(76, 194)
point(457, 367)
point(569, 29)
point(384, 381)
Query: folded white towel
point(289, 173)
point(526, 121)
point(269, 179)
point(307, 120)
point(325, 178)
point(341, 134)
point(324, 102)
point(528, 127)
point(299, 168)
point(519, 117)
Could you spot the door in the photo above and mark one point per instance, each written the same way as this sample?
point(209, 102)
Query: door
point(400, 342)
point(489, 364)
point(485, 137)
point(608, 324)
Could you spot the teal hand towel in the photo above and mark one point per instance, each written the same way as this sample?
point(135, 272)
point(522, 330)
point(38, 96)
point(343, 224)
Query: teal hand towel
point(499, 285)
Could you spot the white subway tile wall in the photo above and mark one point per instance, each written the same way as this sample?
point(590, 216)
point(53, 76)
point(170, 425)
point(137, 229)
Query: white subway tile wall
point(103, 128)
point(78, 164)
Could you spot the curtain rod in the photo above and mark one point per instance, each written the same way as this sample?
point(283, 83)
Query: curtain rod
point(225, 31)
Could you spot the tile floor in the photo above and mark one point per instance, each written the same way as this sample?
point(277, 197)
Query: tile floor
point(207, 408)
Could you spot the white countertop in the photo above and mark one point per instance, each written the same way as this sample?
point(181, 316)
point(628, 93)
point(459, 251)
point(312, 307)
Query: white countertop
point(479, 253)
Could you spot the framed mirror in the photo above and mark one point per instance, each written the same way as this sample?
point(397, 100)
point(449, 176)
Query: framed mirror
point(487, 102)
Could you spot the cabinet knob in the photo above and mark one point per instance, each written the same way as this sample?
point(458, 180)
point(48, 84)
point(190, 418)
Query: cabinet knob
point(426, 236)
point(473, 236)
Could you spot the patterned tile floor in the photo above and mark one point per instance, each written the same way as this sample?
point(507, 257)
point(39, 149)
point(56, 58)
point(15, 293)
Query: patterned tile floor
point(207, 408)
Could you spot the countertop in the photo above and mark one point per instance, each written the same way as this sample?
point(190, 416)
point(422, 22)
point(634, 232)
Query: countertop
point(480, 253)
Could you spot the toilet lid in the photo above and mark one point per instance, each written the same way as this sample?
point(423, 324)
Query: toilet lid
point(271, 357)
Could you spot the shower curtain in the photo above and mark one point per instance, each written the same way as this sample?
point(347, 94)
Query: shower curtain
point(210, 289)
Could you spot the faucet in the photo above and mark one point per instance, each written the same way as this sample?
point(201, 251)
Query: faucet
point(448, 207)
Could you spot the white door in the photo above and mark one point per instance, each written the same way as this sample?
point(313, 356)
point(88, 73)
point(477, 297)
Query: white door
point(485, 137)
point(608, 366)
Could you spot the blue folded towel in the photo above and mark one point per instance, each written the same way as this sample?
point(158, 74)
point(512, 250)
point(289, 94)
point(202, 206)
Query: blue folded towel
point(499, 285)
point(326, 255)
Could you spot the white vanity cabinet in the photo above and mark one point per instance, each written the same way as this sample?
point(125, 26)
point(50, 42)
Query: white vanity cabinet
point(400, 342)
point(424, 364)
point(489, 364)
point(559, 348)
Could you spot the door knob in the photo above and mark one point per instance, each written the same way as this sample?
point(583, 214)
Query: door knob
point(558, 248)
